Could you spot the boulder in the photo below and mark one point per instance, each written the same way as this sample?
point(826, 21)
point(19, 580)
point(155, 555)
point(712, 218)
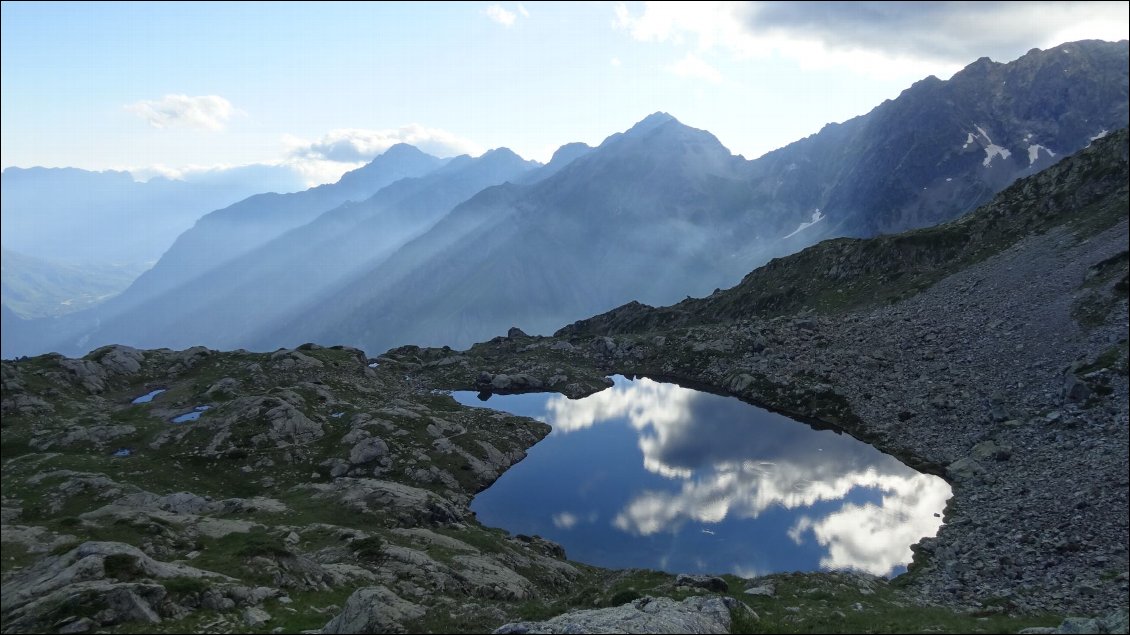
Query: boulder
point(965, 469)
point(367, 450)
point(118, 359)
point(1075, 389)
point(645, 615)
point(374, 610)
point(708, 582)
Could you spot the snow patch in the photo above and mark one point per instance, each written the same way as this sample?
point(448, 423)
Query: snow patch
point(816, 218)
point(1034, 153)
point(1104, 132)
point(993, 150)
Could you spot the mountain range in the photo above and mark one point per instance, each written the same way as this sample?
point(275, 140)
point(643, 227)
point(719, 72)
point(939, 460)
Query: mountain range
point(72, 237)
point(454, 252)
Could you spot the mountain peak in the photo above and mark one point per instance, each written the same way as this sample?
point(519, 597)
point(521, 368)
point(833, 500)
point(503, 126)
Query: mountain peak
point(501, 154)
point(568, 152)
point(401, 150)
point(652, 121)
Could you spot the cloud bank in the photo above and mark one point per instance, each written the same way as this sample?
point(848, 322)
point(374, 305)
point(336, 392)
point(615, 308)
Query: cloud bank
point(874, 38)
point(204, 112)
point(324, 160)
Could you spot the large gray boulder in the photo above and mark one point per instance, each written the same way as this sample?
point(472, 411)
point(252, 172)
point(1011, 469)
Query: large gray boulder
point(698, 614)
point(374, 610)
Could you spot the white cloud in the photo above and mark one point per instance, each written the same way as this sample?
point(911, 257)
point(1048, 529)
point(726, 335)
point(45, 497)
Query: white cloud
point(502, 16)
point(208, 112)
point(693, 67)
point(886, 39)
point(615, 62)
point(522, 9)
point(565, 520)
point(324, 160)
point(359, 144)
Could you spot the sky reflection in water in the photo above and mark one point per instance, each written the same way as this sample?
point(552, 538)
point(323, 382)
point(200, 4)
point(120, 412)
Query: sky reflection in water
point(654, 475)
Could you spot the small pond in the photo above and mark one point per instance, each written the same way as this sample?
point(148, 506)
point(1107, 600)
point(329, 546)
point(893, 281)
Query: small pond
point(146, 398)
point(193, 415)
point(654, 475)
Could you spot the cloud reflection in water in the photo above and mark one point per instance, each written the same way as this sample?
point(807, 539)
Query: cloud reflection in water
point(732, 467)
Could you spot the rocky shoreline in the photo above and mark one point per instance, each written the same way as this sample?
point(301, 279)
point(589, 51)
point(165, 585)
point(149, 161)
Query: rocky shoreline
point(983, 378)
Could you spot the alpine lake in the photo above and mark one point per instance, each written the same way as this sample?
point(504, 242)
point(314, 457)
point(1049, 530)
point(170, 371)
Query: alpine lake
point(654, 475)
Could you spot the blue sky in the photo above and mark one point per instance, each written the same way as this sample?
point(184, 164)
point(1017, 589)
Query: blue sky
point(161, 88)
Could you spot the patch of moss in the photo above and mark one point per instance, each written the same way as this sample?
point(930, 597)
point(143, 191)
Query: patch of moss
point(122, 567)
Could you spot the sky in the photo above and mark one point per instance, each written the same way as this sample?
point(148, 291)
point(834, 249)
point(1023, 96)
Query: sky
point(180, 88)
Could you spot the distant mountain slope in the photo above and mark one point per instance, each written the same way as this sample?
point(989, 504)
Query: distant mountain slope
point(943, 147)
point(34, 287)
point(228, 306)
point(1087, 192)
point(663, 211)
point(76, 216)
point(238, 229)
point(649, 213)
point(655, 214)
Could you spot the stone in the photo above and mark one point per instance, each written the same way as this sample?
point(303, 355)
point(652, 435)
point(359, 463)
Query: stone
point(368, 450)
point(119, 360)
point(374, 610)
point(1074, 389)
point(225, 387)
point(85, 373)
point(999, 413)
point(490, 579)
point(710, 583)
point(81, 625)
point(990, 450)
point(255, 617)
point(764, 590)
point(965, 469)
point(697, 614)
point(1116, 622)
point(739, 383)
point(525, 382)
point(288, 359)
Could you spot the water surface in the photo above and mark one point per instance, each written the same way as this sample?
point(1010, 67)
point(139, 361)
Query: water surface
point(193, 415)
point(146, 398)
point(648, 474)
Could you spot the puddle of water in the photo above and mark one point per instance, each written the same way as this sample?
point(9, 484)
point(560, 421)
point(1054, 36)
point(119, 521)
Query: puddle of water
point(191, 416)
point(653, 475)
point(146, 398)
